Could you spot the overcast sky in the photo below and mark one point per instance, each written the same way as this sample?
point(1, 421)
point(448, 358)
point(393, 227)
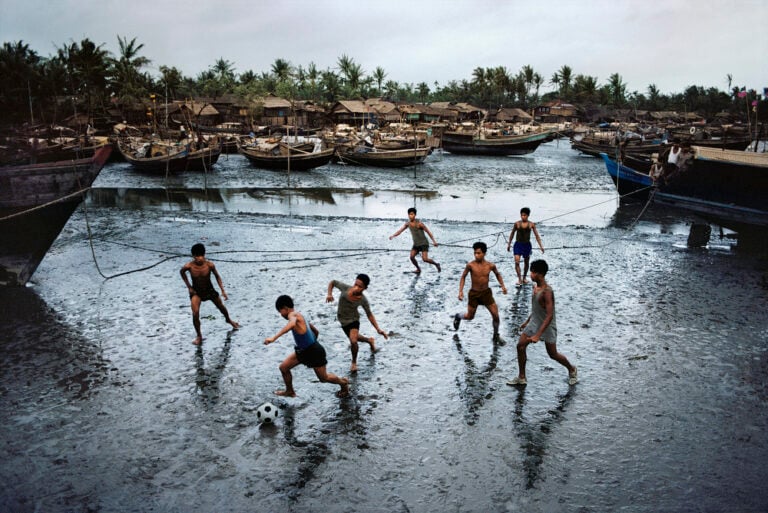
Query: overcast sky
point(672, 44)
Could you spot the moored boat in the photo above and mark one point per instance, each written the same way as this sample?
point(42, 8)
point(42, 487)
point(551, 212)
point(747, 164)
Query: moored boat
point(36, 201)
point(474, 142)
point(374, 157)
point(629, 182)
point(149, 157)
point(727, 187)
point(283, 157)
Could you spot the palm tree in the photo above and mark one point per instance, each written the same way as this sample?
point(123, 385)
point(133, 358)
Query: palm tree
point(617, 89)
point(379, 75)
point(423, 91)
point(19, 70)
point(87, 68)
point(126, 77)
point(282, 69)
point(565, 73)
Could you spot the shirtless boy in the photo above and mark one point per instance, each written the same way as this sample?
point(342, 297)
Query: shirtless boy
point(523, 247)
point(480, 293)
point(307, 350)
point(541, 325)
point(201, 289)
point(420, 242)
point(350, 299)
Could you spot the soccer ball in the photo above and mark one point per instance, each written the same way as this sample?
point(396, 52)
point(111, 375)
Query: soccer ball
point(266, 413)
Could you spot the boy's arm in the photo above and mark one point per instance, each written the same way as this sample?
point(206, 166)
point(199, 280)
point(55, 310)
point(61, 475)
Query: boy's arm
point(218, 280)
point(380, 331)
point(426, 230)
point(511, 234)
point(538, 239)
point(461, 282)
point(329, 297)
point(183, 273)
point(398, 232)
point(288, 327)
point(499, 278)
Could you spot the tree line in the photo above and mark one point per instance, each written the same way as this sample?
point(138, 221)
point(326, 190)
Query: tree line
point(83, 77)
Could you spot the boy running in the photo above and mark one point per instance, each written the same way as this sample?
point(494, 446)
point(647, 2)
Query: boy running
point(480, 293)
point(523, 247)
point(420, 242)
point(350, 299)
point(541, 325)
point(201, 289)
point(307, 350)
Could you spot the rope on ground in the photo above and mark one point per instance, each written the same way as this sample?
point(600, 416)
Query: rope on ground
point(349, 252)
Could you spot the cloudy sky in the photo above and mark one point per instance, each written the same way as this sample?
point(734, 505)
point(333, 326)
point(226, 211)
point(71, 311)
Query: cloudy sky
point(672, 44)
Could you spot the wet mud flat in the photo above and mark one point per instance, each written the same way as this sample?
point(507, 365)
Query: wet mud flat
point(107, 406)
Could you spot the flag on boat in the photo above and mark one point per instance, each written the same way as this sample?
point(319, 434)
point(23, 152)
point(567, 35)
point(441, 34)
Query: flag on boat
point(742, 94)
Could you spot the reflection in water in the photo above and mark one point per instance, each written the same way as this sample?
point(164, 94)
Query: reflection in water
point(535, 435)
point(476, 387)
point(207, 379)
point(346, 424)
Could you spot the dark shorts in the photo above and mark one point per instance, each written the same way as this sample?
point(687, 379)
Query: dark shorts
point(522, 248)
point(421, 248)
point(351, 326)
point(313, 356)
point(481, 297)
point(206, 295)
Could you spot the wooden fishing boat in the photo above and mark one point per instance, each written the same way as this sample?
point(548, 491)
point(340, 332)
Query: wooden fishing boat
point(36, 201)
point(630, 183)
point(480, 142)
point(149, 157)
point(204, 158)
point(374, 157)
point(727, 187)
point(283, 157)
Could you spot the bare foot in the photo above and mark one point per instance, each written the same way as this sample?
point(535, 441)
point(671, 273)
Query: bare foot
point(285, 393)
point(353, 368)
point(344, 391)
point(198, 341)
point(418, 271)
point(439, 269)
point(374, 349)
point(235, 325)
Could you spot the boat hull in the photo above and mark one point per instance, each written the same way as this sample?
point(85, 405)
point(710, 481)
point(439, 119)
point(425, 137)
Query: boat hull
point(296, 162)
point(727, 187)
point(629, 182)
point(468, 144)
point(36, 201)
point(386, 158)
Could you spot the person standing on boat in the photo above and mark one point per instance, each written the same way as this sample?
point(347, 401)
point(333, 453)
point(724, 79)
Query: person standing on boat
point(523, 247)
point(541, 325)
point(420, 242)
point(673, 161)
point(201, 289)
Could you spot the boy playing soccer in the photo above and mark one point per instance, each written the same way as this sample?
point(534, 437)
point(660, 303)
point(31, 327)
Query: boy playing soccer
point(541, 325)
point(201, 289)
point(523, 247)
point(420, 242)
point(480, 293)
point(307, 350)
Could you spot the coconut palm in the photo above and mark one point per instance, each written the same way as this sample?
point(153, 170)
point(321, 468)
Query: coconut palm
point(379, 75)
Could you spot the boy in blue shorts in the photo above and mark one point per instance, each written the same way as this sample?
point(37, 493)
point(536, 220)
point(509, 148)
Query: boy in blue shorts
point(523, 248)
point(307, 350)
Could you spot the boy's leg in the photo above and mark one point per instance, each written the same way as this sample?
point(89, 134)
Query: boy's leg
point(522, 357)
point(527, 261)
point(223, 309)
point(194, 302)
point(559, 357)
point(517, 270)
point(353, 334)
point(413, 260)
point(425, 258)
point(494, 309)
point(285, 369)
point(327, 377)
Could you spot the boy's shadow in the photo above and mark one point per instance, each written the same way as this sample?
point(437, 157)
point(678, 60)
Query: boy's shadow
point(535, 435)
point(207, 379)
point(476, 388)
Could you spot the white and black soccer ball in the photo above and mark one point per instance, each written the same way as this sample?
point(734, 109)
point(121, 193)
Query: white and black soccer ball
point(267, 413)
